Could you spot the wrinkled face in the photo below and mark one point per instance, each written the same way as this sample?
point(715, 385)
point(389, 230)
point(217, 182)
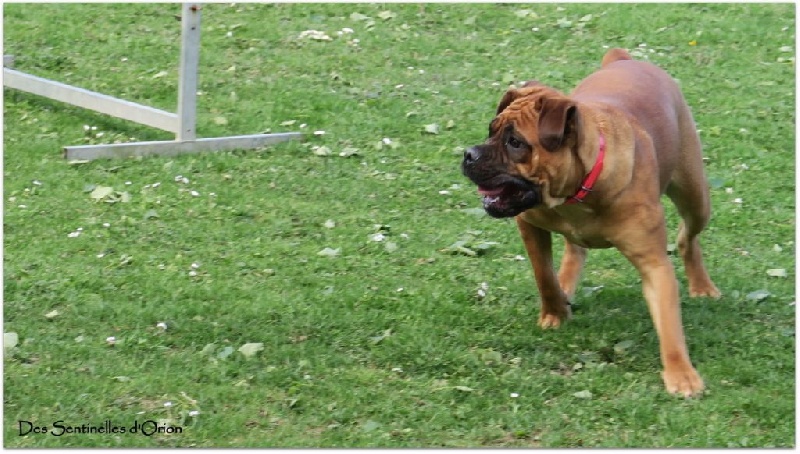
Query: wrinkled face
point(526, 160)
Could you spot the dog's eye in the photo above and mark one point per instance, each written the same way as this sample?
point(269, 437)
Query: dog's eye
point(513, 142)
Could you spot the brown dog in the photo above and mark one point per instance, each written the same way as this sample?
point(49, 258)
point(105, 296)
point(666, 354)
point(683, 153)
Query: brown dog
point(592, 166)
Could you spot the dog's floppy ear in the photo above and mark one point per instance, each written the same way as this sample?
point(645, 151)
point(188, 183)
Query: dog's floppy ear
point(513, 94)
point(508, 98)
point(556, 121)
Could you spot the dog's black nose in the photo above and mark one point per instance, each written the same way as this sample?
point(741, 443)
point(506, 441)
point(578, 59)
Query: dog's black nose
point(471, 155)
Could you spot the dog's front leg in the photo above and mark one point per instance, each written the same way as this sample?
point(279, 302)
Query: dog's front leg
point(539, 245)
point(661, 292)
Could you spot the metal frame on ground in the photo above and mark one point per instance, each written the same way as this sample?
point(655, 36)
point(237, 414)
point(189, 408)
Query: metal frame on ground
point(182, 123)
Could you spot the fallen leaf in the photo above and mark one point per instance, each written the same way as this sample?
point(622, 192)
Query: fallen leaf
point(52, 314)
point(101, 192)
point(777, 272)
point(322, 151)
point(716, 182)
point(523, 13)
point(370, 426)
point(10, 340)
point(328, 252)
point(585, 394)
point(225, 352)
point(348, 151)
point(249, 350)
point(621, 347)
point(589, 291)
point(382, 336)
point(358, 17)
point(758, 295)
point(432, 128)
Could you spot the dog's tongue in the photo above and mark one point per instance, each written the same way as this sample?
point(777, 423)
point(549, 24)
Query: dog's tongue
point(489, 192)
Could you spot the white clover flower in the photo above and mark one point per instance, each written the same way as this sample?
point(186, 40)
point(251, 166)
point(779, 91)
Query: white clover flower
point(161, 325)
point(514, 395)
point(377, 237)
point(195, 194)
point(192, 273)
point(106, 225)
point(194, 413)
point(167, 404)
point(111, 340)
point(316, 35)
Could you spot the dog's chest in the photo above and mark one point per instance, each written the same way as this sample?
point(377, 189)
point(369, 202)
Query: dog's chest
point(586, 232)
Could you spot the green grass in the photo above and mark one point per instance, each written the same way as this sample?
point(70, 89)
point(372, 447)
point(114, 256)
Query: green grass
point(386, 344)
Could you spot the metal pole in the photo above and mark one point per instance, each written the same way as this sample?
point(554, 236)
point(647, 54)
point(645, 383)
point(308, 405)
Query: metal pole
point(190, 61)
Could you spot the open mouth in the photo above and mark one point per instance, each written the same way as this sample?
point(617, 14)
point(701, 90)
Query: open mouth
point(509, 198)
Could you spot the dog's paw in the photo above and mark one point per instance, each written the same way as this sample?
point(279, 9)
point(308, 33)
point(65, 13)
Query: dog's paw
point(708, 290)
point(549, 320)
point(686, 383)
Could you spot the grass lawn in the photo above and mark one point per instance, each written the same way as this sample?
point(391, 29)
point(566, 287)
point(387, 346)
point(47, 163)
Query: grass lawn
point(311, 295)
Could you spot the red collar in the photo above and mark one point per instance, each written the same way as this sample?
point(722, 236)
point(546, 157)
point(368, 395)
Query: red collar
point(592, 176)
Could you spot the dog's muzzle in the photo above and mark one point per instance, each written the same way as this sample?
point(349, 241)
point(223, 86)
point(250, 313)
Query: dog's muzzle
point(504, 195)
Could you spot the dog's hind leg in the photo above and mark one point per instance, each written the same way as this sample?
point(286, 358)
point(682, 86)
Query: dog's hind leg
point(571, 267)
point(688, 190)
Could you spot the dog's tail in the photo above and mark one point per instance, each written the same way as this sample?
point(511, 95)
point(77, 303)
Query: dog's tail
point(615, 55)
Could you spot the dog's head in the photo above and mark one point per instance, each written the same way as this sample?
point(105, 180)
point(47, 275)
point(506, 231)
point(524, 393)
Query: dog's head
point(530, 157)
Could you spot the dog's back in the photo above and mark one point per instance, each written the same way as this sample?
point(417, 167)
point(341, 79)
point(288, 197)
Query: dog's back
point(647, 94)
